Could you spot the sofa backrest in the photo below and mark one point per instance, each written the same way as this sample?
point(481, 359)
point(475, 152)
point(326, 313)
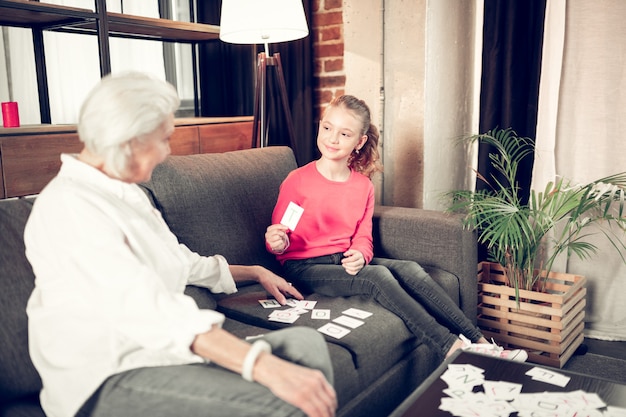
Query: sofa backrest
point(222, 203)
point(18, 377)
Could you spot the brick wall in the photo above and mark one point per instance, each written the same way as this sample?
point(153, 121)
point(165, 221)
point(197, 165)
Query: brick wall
point(328, 45)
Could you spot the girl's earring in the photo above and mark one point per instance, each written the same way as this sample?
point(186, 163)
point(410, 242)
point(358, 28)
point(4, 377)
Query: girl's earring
point(357, 151)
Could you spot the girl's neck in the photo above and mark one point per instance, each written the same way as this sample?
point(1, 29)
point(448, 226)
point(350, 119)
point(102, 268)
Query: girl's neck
point(333, 170)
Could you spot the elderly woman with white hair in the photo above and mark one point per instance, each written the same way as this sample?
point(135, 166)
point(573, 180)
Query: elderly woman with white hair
point(110, 331)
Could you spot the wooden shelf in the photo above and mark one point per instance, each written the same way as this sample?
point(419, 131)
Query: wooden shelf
point(30, 14)
point(70, 128)
point(27, 14)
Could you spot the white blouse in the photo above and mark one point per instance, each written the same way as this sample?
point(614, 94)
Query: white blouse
point(109, 286)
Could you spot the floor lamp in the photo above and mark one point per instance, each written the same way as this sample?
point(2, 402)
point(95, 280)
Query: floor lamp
point(265, 22)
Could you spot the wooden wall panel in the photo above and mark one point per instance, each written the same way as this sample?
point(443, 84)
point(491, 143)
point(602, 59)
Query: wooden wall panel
point(184, 141)
point(30, 162)
point(225, 137)
point(30, 157)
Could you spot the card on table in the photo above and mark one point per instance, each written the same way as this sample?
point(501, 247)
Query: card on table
point(320, 314)
point(284, 316)
point(270, 303)
point(333, 330)
point(548, 376)
point(348, 321)
point(355, 312)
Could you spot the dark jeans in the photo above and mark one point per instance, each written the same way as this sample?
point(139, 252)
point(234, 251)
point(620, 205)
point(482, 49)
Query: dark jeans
point(206, 389)
point(402, 287)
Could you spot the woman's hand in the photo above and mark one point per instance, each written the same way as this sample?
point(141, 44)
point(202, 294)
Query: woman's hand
point(302, 387)
point(353, 261)
point(272, 283)
point(277, 286)
point(276, 238)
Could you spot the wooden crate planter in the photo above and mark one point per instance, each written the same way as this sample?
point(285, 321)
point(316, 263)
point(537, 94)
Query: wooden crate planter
point(548, 325)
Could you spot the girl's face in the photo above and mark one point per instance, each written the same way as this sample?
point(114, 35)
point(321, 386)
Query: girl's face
point(150, 152)
point(339, 134)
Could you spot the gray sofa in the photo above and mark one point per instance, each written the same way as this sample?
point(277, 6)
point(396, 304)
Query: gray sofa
point(221, 203)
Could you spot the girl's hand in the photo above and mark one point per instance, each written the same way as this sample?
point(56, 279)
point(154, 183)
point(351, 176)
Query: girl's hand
point(276, 238)
point(353, 261)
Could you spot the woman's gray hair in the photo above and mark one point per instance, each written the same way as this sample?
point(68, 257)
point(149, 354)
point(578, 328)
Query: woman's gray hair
point(121, 108)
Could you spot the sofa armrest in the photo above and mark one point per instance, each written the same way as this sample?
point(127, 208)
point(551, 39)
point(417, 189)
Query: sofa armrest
point(433, 239)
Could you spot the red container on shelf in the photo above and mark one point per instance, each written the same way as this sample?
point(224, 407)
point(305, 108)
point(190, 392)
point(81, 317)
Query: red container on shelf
point(10, 114)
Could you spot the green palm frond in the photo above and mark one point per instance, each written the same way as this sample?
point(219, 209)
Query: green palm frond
point(564, 215)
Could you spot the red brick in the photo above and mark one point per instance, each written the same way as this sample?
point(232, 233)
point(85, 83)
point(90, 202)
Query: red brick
point(327, 31)
point(332, 50)
point(332, 81)
point(326, 19)
point(331, 65)
point(330, 33)
point(333, 4)
point(324, 96)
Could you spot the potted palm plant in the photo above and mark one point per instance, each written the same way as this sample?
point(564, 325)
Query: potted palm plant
point(524, 238)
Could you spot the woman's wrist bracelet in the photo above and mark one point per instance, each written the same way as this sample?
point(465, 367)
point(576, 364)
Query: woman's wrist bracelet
point(256, 349)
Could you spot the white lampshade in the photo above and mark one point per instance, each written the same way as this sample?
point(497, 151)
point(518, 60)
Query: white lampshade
point(262, 21)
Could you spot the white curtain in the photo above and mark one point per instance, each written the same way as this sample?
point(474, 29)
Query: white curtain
point(582, 114)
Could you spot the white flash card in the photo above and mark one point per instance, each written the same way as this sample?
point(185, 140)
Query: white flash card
point(320, 314)
point(355, 312)
point(269, 303)
point(333, 330)
point(307, 304)
point(297, 310)
point(348, 321)
point(548, 376)
point(291, 302)
point(283, 316)
point(292, 216)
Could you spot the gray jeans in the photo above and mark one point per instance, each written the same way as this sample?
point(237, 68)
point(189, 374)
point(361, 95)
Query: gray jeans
point(402, 287)
point(206, 389)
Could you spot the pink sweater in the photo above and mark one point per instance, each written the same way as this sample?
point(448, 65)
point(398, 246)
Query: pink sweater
point(337, 215)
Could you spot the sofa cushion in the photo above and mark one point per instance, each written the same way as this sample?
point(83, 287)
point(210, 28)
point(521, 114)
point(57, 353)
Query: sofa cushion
point(375, 346)
point(18, 377)
point(222, 203)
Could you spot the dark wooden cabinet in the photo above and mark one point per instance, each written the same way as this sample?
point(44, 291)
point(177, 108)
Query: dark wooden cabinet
point(30, 156)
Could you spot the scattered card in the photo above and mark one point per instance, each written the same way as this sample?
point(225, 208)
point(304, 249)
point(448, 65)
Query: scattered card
point(292, 216)
point(297, 310)
point(355, 312)
point(306, 304)
point(284, 316)
point(333, 330)
point(270, 303)
point(548, 376)
point(504, 399)
point(502, 390)
point(348, 321)
point(291, 302)
point(320, 314)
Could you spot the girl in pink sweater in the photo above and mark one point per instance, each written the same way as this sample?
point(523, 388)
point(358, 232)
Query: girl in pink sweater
point(330, 251)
